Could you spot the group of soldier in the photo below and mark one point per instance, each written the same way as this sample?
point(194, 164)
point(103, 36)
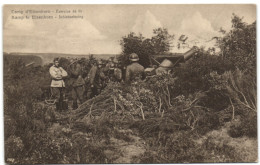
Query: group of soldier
point(86, 87)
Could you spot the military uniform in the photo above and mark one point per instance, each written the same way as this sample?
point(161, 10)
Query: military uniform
point(108, 66)
point(162, 70)
point(77, 83)
point(134, 72)
point(165, 67)
point(58, 85)
point(96, 78)
point(115, 74)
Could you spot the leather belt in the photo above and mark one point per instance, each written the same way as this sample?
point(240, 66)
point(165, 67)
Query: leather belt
point(56, 79)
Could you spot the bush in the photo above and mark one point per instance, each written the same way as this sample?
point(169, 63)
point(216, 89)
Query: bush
point(241, 88)
point(13, 147)
point(239, 44)
point(179, 147)
point(215, 100)
point(194, 75)
point(244, 125)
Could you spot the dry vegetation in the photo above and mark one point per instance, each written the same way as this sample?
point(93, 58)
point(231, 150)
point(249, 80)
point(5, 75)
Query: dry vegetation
point(204, 112)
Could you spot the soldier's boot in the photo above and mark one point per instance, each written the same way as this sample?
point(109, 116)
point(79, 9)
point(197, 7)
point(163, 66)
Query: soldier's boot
point(64, 105)
point(61, 105)
point(57, 106)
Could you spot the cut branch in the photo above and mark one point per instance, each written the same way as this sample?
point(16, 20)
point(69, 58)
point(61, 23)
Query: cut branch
point(233, 109)
point(160, 104)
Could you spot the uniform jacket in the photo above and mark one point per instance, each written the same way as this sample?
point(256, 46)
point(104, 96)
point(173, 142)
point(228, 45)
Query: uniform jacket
point(162, 70)
point(76, 76)
point(57, 74)
point(115, 74)
point(134, 71)
point(107, 67)
point(96, 76)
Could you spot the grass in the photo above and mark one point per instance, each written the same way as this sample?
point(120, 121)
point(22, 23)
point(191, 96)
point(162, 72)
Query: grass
point(168, 128)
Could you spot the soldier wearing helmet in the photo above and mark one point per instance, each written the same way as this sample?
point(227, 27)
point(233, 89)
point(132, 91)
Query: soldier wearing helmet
point(165, 67)
point(108, 65)
point(134, 71)
point(114, 72)
point(117, 71)
point(96, 78)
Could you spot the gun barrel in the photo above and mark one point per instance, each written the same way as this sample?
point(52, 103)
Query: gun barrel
point(31, 63)
point(187, 55)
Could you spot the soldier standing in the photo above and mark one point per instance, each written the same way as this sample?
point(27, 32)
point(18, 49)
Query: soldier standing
point(134, 71)
point(57, 84)
point(109, 64)
point(77, 83)
point(115, 73)
point(96, 78)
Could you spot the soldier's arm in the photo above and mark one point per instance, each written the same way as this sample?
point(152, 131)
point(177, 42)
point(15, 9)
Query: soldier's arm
point(63, 72)
point(54, 74)
point(75, 71)
point(102, 75)
point(118, 74)
point(127, 74)
point(92, 74)
point(106, 68)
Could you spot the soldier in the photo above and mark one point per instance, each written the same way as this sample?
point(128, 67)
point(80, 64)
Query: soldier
point(57, 84)
point(134, 71)
point(109, 63)
point(115, 73)
point(96, 78)
point(77, 83)
point(165, 67)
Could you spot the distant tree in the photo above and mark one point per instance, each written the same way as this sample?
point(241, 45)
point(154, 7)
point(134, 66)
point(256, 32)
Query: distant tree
point(132, 43)
point(239, 45)
point(162, 41)
point(144, 47)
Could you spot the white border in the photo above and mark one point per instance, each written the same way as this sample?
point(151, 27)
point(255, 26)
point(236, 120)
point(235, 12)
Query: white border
point(107, 2)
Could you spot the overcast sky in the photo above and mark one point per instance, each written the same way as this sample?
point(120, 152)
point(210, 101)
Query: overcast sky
point(103, 26)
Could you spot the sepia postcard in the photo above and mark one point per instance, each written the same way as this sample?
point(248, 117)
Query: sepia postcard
point(116, 84)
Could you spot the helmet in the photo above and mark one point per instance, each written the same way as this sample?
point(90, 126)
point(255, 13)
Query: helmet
point(166, 64)
point(115, 61)
point(99, 62)
point(110, 59)
point(112, 66)
point(71, 60)
point(133, 57)
point(56, 59)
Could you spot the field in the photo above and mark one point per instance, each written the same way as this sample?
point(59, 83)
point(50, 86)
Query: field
point(203, 111)
point(46, 58)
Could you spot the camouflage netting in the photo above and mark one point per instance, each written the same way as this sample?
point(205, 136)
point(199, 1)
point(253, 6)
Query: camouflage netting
point(143, 101)
point(120, 99)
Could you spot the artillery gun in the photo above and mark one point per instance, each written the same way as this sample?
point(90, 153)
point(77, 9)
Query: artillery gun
point(164, 63)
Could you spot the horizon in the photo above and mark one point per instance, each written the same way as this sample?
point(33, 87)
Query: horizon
point(101, 27)
point(58, 53)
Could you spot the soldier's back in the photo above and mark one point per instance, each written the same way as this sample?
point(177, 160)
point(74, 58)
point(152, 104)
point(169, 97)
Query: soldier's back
point(134, 71)
point(136, 67)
